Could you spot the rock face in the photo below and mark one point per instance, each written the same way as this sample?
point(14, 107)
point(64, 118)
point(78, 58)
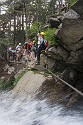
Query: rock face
point(68, 55)
point(78, 7)
point(54, 22)
point(70, 35)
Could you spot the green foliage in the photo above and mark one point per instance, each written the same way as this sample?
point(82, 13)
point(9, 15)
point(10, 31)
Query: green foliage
point(7, 84)
point(72, 2)
point(10, 84)
point(49, 35)
point(34, 29)
point(4, 41)
point(1, 84)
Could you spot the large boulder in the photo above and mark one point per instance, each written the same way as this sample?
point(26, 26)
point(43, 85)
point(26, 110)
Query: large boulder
point(54, 22)
point(72, 29)
point(70, 35)
point(78, 7)
point(58, 53)
point(29, 84)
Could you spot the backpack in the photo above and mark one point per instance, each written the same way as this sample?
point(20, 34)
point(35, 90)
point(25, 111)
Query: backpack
point(46, 44)
point(43, 45)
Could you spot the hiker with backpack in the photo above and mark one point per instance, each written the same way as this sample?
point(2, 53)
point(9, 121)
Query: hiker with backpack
point(41, 46)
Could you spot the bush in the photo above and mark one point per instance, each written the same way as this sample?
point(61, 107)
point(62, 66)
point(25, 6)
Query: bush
point(4, 42)
point(49, 35)
point(72, 2)
point(34, 29)
point(1, 84)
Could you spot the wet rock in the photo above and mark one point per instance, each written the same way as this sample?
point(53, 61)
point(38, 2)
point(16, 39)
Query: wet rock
point(53, 92)
point(73, 99)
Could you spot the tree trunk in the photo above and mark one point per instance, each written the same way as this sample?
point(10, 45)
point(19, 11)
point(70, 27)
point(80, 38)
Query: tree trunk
point(26, 17)
point(14, 29)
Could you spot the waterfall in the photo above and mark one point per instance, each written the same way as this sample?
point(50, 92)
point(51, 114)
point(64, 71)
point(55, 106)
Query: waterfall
point(22, 111)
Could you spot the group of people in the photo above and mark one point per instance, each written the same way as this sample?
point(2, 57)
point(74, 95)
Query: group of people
point(31, 49)
point(15, 53)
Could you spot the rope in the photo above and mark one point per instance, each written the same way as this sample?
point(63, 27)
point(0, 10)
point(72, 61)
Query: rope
point(76, 90)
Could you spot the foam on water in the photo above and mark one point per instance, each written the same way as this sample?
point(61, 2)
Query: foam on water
point(15, 111)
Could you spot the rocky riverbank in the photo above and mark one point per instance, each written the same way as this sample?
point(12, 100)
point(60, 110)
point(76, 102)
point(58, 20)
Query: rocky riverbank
point(9, 72)
point(38, 84)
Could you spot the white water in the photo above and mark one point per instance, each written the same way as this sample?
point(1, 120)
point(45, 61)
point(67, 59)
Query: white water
point(33, 112)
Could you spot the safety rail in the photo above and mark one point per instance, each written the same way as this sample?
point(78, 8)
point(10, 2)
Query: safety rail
point(76, 90)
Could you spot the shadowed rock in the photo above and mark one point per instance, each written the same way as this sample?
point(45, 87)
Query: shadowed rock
point(54, 22)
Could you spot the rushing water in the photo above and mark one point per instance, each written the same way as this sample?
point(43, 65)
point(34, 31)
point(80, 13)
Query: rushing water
point(17, 111)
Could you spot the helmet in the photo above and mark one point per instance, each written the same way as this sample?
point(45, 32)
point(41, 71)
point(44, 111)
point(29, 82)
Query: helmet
point(19, 44)
point(42, 33)
point(34, 41)
point(25, 43)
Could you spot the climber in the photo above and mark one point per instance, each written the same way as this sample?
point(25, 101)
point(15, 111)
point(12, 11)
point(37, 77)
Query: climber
point(41, 46)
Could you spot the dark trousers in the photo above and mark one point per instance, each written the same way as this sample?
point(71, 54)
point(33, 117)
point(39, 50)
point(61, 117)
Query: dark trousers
point(38, 54)
point(35, 53)
point(42, 47)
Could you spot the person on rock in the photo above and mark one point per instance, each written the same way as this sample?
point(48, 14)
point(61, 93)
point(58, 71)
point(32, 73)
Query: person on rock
point(41, 46)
